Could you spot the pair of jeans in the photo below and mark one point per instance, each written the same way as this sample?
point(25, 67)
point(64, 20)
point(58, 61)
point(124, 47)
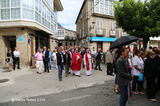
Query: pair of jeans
point(60, 69)
point(124, 95)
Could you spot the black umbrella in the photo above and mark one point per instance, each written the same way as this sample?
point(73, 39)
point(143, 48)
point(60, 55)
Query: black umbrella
point(122, 41)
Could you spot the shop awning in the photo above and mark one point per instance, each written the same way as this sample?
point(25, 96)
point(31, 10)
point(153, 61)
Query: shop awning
point(102, 39)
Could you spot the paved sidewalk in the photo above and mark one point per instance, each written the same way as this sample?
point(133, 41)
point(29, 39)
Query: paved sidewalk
point(26, 83)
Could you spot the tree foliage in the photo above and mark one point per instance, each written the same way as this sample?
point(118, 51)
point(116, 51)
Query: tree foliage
point(137, 18)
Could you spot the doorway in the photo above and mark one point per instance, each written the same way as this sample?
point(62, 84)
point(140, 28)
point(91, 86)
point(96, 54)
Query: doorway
point(10, 42)
point(99, 45)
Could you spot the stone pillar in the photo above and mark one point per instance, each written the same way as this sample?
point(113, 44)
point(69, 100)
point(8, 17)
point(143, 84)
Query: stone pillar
point(53, 44)
point(2, 48)
point(106, 46)
point(22, 47)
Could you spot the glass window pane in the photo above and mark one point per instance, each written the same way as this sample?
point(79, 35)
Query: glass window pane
point(39, 6)
point(36, 4)
point(5, 14)
point(28, 4)
point(27, 14)
point(39, 18)
point(36, 16)
point(43, 9)
point(5, 3)
point(15, 13)
point(15, 3)
point(43, 21)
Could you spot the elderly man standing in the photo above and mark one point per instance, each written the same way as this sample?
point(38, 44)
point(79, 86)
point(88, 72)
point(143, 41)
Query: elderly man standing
point(39, 61)
point(46, 59)
point(124, 76)
point(16, 55)
point(109, 61)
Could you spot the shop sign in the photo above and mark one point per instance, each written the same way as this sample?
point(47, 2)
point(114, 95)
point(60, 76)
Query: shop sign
point(20, 38)
point(28, 40)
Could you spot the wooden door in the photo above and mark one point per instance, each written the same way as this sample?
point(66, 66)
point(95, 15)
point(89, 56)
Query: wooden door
point(32, 53)
point(31, 41)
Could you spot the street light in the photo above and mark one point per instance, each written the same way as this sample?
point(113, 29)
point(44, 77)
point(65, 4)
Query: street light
point(92, 27)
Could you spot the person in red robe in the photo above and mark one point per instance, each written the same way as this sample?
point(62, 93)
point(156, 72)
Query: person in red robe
point(88, 62)
point(76, 63)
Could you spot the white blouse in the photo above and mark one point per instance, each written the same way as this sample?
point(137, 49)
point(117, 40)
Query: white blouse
point(139, 63)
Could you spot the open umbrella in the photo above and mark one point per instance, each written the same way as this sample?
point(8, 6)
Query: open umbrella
point(122, 41)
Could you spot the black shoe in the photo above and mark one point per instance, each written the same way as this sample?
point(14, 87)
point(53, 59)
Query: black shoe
point(100, 69)
point(111, 75)
point(60, 79)
point(19, 68)
point(95, 68)
point(44, 71)
point(48, 72)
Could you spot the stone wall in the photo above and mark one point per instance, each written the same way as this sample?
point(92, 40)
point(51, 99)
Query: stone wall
point(23, 46)
point(53, 44)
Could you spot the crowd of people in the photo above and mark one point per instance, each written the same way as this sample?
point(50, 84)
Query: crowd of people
point(71, 59)
point(135, 65)
point(138, 67)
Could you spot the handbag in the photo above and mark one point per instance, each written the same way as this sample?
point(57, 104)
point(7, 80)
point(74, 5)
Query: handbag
point(7, 60)
point(140, 76)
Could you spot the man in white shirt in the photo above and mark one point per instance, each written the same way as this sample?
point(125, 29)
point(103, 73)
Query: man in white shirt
point(16, 55)
point(93, 51)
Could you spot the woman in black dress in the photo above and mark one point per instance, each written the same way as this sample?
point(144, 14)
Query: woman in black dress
point(150, 74)
point(9, 59)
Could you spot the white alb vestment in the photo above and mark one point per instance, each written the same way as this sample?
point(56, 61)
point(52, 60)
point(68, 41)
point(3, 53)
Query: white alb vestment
point(88, 72)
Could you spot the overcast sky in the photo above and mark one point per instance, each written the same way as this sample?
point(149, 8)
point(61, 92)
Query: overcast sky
point(68, 16)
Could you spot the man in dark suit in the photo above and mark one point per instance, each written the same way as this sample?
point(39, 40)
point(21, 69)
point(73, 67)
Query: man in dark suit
point(123, 76)
point(82, 54)
point(60, 62)
point(72, 50)
point(98, 60)
point(45, 59)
